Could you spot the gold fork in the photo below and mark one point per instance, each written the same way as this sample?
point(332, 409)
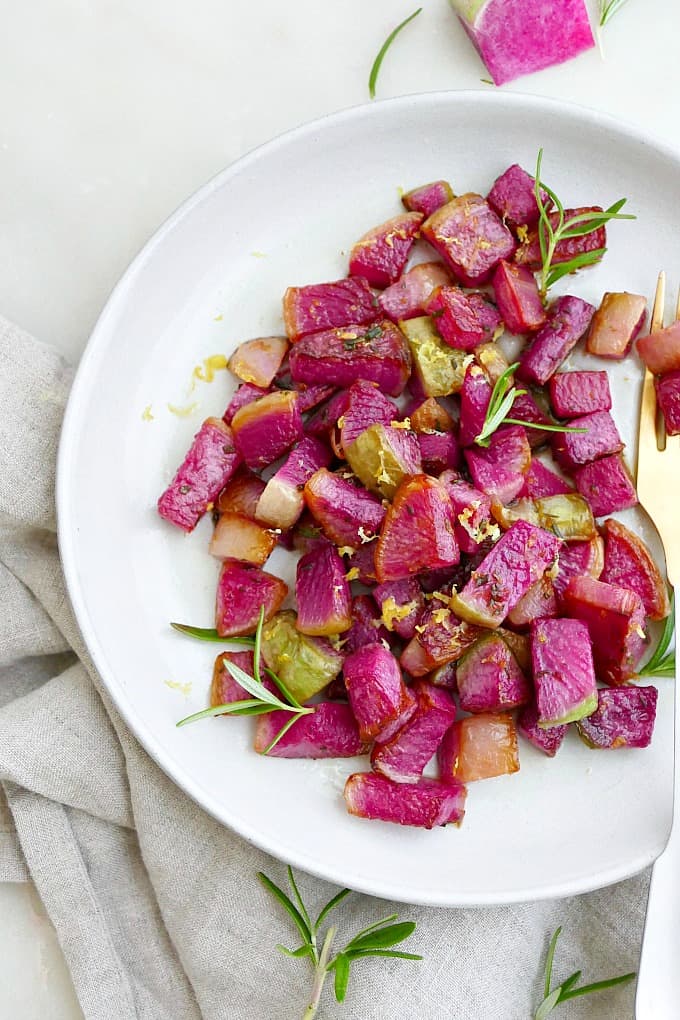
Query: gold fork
point(658, 485)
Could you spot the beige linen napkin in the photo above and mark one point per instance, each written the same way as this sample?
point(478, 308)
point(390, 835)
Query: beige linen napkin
point(156, 906)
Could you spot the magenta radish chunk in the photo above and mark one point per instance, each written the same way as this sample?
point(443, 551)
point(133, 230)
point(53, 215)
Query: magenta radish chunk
point(600, 439)
point(325, 418)
point(470, 237)
point(380, 699)
point(661, 351)
point(473, 513)
point(224, 689)
point(615, 618)
point(367, 626)
point(540, 602)
point(475, 397)
point(576, 393)
point(320, 306)
point(520, 557)
point(210, 462)
point(257, 361)
point(489, 678)
point(266, 428)
point(418, 531)
point(401, 605)
point(516, 293)
point(242, 589)
point(323, 596)
point(458, 317)
point(668, 399)
point(441, 637)
point(615, 325)
point(526, 408)
point(529, 252)
point(427, 198)
point(607, 485)
point(381, 254)
point(403, 757)
point(628, 563)
point(541, 481)
point(546, 739)
point(499, 469)
point(282, 500)
point(568, 319)
point(366, 405)
point(439, 451)
point(407, 298)
point(624, 717)
point(563, 671)
point(238, 537)
point(513, 198)
point(241, 494)
point(523, 37)
point(348, 515)
point(377, 353)
point(310, 397)
point(480, 747)
point(424, 804)
point(579, 559)
point(245, 394)
point(329, 732)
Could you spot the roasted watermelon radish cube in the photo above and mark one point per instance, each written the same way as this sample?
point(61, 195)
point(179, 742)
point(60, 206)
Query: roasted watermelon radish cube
point(475, 397)
point(661, 350)
point(380, 699)
point(600, 439)
point(424, 804)
point(629, 564)
point(266, 428)
point(408, 296)
point(479, 747)
point(615, 618)
point(224, 690)
point(607, 485)
point(548, 740)
point(329, 732)
point(529, 252)
point(668, 399)
point(320, 306)
point(210, 462)
point(441, 637)
point(348, 514)
point(519, 645)
point(418, 531)
point(401, 605)
point(242, 590)
point(526, 407)
point(241, 494)
point(488, 315)
point(305, 664)
point(245, 394)
point(568, 320)
point(616, 324)
point(540, 602)
point(541, 481)
point(325, 418)
point(624, 717)
point(437, 368)
point(457, 318)
point(439, 451)
point(427, 198)
point(473, 513)
point(258, 361)
point(237, 537)
point(361, 564)
point(518, 559)
point(382, 456)
point(470, 237)
point(444, 676)
point(367, 625)
point(382, 253)
point(499, 469)
point(563, 670)
point(516, 293)
point(403, 757)
point(366, 405)
point(282, 501)
point(579, 559)
point(513, 198)
point(568, 516)
point(577, 393)
point(430, 416)
point(337, 357)
point(323, 596)
point(310, 397)
point(489, 678)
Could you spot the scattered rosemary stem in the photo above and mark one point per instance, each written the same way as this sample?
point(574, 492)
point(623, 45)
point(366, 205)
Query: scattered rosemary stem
point(320, 974)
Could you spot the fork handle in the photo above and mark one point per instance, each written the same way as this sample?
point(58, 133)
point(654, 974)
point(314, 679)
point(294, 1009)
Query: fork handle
point(658, 983)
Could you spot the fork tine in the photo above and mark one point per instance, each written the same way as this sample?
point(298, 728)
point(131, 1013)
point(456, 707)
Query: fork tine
point(659, 302)
point(647, 437)
point(677, 306)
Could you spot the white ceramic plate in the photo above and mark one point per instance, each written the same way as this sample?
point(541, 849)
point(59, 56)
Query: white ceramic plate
point(214, 275)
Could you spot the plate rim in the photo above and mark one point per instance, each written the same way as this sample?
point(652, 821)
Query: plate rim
point(66, 532)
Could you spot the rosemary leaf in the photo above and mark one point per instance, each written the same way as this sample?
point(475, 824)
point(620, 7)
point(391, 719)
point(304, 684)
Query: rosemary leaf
point(331, 905)
point(377, 63)
point(341, 967)
point(608, 8)
point(549, 960)
point(597, 986)
point(286, 726)
point(287, 905)
point(660, 664)
point(210, 634)
point(250, 707)
point(586, 258)
point(540, 426)
point(383, 938)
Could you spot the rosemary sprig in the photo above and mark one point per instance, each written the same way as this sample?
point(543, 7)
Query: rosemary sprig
point(661, 663)
point(503, 396)
point(608, 8)
point(210, 634)
point(377, 63)
point(262, 700)
point(549, 236)
point(567, 989)
point(374, 940)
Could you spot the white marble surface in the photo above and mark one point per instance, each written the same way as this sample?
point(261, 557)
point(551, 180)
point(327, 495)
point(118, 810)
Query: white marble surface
point(112, 112)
